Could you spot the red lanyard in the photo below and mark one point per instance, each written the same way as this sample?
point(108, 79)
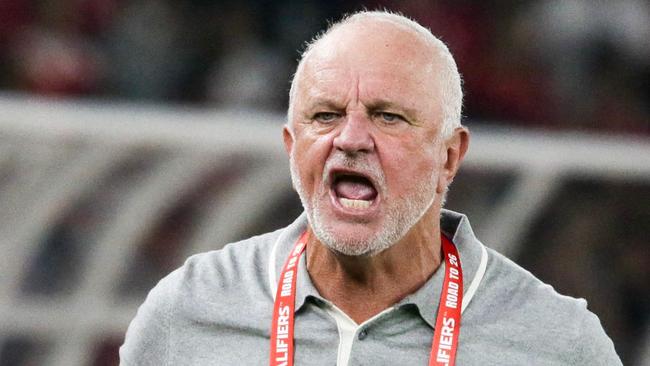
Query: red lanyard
point(445, 337)
point(284, 308)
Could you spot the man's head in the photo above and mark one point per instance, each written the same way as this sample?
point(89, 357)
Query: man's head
point(374, 132)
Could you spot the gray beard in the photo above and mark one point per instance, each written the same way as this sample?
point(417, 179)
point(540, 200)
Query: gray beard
point(400, 218)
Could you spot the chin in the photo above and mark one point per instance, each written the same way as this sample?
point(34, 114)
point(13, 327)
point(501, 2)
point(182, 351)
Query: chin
point(354, 240)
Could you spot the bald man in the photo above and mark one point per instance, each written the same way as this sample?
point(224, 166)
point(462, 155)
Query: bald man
point(375, 271)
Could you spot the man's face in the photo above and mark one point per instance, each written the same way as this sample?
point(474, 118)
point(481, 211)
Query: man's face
point(366, 155)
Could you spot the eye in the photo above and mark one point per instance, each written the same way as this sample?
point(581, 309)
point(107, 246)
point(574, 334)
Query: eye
point(326, 117)
point(389, 118)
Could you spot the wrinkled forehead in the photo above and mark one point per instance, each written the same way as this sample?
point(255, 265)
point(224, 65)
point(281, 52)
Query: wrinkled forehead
point(374, 42)
point(377, 50)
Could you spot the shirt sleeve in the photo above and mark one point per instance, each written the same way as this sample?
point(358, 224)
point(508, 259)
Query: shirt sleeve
point(147, 338)
point(593, 346)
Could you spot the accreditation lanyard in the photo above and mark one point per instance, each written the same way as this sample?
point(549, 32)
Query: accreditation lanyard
point(445, 337)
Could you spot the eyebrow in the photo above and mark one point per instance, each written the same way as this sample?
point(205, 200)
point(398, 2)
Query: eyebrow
point(326, 103)
point(372, 106)
point(377, 105)
point(322, 103)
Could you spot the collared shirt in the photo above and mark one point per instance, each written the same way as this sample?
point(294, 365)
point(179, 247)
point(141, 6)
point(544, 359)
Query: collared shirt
point(216, 310)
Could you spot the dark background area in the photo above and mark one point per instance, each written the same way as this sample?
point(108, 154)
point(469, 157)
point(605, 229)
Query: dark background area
point(567, 66)
point(576, 65)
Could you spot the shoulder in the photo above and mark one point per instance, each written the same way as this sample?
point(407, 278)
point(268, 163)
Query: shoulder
point(518, 293)
point(229, 278)
point(531, 314)
point(243, 263)
point(211, 289)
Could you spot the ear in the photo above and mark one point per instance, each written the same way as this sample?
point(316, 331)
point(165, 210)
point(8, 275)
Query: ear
point(287, 135)
point(456, 146)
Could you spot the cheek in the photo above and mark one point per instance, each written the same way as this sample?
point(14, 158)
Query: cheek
point(310, 155)
point(409, 165)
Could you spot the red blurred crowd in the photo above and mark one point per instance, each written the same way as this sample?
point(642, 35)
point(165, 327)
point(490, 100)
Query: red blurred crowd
point(576, 65)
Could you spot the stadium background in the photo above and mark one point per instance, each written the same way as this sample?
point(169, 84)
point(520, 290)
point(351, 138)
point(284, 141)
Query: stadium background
point(134, 133)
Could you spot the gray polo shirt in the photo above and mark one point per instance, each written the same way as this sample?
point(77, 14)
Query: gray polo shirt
point(216, 310)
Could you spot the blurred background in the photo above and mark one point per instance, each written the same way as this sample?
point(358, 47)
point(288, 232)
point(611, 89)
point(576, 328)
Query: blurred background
point(134, 133)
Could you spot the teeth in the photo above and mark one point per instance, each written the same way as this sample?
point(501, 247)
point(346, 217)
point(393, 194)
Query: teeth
point(356, 204)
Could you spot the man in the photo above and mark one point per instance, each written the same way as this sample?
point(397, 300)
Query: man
point(374, 272)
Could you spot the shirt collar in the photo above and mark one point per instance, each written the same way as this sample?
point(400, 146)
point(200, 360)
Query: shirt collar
point(426, 299)
point(304, 287)
point(455, 225)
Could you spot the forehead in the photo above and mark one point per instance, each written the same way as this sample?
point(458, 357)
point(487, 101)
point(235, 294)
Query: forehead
point(378, 59)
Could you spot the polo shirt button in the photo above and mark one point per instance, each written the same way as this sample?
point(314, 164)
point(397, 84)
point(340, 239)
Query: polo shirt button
point(363, 334)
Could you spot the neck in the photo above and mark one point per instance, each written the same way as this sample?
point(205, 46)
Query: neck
point(363, 286)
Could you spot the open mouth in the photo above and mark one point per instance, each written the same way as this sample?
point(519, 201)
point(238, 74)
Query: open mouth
point(353, 191)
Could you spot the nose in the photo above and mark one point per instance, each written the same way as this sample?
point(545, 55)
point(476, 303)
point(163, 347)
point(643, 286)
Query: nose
point(355, 136)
